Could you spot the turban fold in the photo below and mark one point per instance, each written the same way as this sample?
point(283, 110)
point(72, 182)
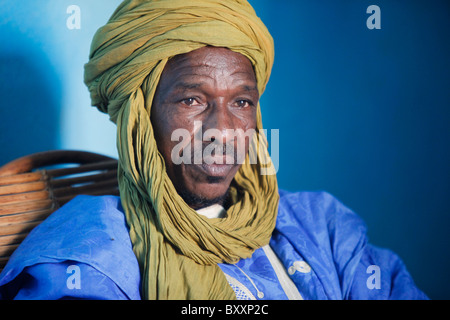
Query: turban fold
point(177, 249)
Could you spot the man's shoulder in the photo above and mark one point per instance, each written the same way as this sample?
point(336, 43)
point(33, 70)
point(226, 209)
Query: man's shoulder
point(317, 208)
point(80, 226)
point(332, 239)
point(317, 223)
point(90, 230)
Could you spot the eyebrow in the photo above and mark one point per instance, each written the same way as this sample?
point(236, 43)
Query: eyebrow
point(249, 88)
point(187, 85)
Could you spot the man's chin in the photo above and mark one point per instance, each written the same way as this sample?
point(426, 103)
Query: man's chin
point(198, 201)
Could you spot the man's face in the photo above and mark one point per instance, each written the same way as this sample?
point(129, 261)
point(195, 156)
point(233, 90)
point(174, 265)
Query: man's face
point(209, 88)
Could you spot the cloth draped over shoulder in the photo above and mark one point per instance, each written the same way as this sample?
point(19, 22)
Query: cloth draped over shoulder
point(177, 249)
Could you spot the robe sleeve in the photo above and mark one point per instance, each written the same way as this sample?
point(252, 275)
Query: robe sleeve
point(365, 271)
point(333, 240)
point(59, 281)
point(81, 251)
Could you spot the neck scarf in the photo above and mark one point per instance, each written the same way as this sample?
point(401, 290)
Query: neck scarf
point(178, 250)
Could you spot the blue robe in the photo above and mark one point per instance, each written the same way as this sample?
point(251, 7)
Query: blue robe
point(83, 251)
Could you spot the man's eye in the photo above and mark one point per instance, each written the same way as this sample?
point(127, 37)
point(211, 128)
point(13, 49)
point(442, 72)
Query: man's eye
point(243, 103)
point(190, 102)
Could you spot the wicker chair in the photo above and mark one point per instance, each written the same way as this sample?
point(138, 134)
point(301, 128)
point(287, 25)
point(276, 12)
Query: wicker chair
point(34, 186)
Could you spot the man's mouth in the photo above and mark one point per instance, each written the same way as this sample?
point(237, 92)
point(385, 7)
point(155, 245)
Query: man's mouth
point(217, 165)
point(216, 170)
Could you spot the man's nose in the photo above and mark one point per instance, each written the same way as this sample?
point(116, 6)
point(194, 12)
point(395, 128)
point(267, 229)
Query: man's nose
point(219, 125)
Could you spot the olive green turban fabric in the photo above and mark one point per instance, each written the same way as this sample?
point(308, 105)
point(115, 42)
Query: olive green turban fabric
point(177, 249)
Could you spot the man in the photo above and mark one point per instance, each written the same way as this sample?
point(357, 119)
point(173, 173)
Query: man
point(210, 226)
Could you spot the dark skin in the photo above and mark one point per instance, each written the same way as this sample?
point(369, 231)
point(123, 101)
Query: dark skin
point(217, 87)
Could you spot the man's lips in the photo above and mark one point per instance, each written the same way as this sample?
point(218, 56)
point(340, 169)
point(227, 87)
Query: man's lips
point(216, 170)
point(216, 166)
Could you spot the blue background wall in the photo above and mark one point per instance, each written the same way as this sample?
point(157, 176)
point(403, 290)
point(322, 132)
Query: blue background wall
point(363, 114)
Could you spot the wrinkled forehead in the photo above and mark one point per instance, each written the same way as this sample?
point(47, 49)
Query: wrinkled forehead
point(210, 58)
point(208, 65)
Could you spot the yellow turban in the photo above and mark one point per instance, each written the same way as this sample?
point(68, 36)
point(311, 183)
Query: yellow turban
point(178, 250)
